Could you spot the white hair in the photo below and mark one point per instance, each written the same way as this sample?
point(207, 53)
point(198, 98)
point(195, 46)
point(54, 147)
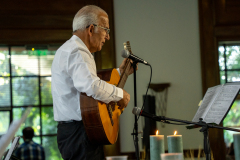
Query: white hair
point(86, 16)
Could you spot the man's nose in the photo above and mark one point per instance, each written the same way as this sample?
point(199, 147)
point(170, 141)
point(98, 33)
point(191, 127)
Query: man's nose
point(108, 37)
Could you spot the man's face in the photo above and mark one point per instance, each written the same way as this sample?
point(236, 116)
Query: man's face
point(100, 35)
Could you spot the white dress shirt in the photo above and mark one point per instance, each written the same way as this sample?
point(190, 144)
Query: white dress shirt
point(74, 71)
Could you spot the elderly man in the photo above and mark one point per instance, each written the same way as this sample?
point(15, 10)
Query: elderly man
point(74, 72)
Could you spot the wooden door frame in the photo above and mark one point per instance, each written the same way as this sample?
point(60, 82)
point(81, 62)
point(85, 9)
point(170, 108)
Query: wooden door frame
point(216, 25)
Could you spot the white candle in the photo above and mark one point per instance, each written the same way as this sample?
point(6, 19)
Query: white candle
point(156, 146)
point(171, 156)
point(236, 140)
point(175, 144)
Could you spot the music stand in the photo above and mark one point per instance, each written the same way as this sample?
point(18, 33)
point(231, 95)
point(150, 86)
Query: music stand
point(10, 151)
point(7, 138)
point(228, 92)
point(214, 107)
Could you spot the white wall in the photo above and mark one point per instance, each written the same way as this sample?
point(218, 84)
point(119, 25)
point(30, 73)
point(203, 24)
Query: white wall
point(166, 34)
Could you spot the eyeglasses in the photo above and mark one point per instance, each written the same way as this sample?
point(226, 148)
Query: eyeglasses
point(106, 29)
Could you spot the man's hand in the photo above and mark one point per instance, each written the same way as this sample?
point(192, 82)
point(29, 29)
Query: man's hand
point(124, 101)
point(121, 67)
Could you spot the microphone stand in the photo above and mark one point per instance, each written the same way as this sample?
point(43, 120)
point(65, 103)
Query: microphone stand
point(135, 132)
point(204, 129)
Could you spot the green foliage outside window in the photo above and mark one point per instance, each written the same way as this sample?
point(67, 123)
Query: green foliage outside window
point(4, 117)
point(26, 67)
point(229, 67)
point(232, 120)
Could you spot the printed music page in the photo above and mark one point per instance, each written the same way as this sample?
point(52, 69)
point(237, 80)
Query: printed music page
point(217, 102)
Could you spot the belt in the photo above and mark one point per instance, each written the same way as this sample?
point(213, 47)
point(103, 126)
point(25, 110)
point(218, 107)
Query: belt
point(62, 122)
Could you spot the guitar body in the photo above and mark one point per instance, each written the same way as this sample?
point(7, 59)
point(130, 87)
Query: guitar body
point(101, 126)
point(101, 121)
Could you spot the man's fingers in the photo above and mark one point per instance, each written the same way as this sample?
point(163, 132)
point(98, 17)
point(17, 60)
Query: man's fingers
point(121, 106)
point(124, 101)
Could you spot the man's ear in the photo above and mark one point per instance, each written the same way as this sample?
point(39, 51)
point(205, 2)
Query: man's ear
point(91, 30)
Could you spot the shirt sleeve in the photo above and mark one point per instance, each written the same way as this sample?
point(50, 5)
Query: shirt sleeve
point(119, 71)
point(82, 70)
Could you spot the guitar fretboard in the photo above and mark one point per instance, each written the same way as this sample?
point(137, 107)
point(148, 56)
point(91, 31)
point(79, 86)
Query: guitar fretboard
point(127, 67)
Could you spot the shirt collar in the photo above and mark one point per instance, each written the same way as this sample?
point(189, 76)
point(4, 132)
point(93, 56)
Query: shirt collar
point(28, 140)
point(82, 44)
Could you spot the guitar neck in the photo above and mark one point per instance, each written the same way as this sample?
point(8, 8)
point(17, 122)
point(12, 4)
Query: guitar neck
point(125, 74)
point(127, 67)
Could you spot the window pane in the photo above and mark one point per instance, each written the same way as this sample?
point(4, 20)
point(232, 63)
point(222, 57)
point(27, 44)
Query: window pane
point(51, 148)
point(233, 116)
point(222, 77)
point(24, 62)
point(233, 76)
point(49, 126)
point(221, 58)
point(25, 91)
point(228, 136)
point(37, 139)
point(33, 119)
point(46, 94)
point(233, 57)
point(232, 120)
point(27, 66)
point(4, 61)
point(4, 121)
point(232, 62)
point(5, 100)
point(46, 58)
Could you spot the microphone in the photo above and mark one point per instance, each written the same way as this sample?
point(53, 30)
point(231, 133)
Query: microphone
point(126, 54)
point(137, 111)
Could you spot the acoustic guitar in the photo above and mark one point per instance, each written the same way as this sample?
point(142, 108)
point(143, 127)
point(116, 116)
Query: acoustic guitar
point(101, 120)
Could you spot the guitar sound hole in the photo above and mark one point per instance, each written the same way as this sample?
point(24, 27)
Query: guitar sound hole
point(113, 107)
point(109, 108)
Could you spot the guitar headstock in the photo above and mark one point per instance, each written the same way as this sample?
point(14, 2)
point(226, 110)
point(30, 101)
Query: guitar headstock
point(127, 47)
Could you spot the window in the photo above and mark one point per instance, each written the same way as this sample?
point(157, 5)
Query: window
point(25, 80)
point(229, 67)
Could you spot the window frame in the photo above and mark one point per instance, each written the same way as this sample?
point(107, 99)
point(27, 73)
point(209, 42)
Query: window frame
point(10, 108)
point(224, 44)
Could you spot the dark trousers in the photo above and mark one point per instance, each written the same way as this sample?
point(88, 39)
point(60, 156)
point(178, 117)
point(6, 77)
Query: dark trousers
point(73, 143)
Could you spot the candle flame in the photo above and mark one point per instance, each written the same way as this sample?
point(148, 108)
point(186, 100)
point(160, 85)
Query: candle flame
point(175, 133)
point(157, 132)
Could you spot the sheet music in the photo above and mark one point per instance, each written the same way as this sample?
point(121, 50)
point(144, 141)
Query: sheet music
point(206, 102)
point(217, 102)
point(14, 144)
point(222, 104)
